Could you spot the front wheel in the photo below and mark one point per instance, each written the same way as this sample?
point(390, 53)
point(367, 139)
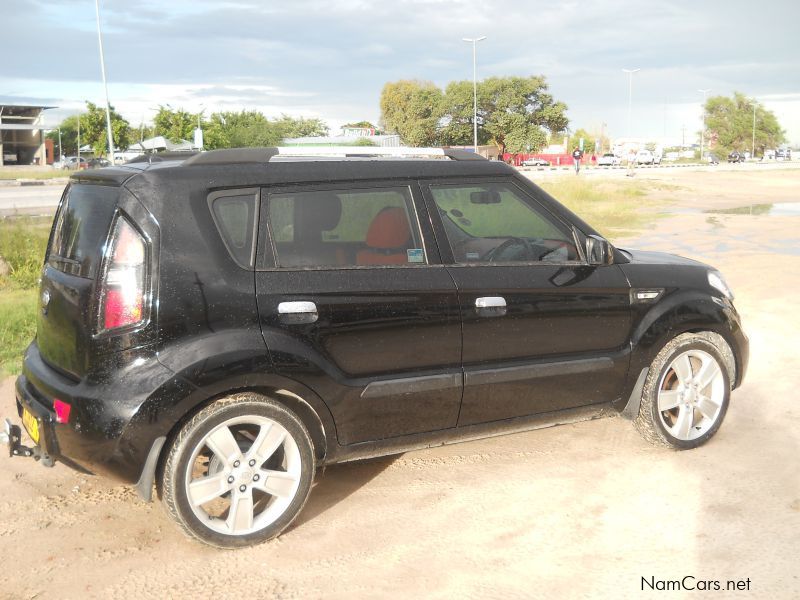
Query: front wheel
point(687, 391)
point(238, 472)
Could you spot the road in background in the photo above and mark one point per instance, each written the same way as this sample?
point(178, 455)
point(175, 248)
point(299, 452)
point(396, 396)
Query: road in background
point(29, 200)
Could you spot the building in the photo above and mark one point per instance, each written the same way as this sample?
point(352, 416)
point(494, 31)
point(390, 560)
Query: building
point(22, 140)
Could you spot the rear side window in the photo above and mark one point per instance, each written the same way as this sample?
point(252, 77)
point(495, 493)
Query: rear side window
point(81, 228)
point(345, 228)
point(235, 214)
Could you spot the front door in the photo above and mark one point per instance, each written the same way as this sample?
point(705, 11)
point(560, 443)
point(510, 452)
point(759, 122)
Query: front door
point(354, 305)
point(543, 331)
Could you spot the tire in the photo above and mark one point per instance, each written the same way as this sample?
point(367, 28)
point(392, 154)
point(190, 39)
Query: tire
point(239, 472)
point(687, 391)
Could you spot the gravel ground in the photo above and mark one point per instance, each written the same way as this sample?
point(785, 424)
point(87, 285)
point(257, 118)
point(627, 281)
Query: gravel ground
point(576, 511)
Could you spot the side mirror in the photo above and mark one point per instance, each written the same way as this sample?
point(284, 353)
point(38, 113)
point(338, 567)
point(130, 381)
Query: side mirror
point(599, 251)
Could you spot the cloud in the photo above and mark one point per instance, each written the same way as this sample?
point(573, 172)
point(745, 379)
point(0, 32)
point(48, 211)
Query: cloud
point(331, 57)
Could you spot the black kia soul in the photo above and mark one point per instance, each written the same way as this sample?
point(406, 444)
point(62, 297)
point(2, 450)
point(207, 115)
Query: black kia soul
point(219, 326)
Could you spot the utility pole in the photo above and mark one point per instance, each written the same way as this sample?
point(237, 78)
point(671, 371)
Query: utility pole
point(474, 42)
point(703, 130)
point(105, 84)
point(630, 73)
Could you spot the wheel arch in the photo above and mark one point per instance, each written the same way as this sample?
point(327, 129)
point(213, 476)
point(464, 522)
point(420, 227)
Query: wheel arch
point(302, 401)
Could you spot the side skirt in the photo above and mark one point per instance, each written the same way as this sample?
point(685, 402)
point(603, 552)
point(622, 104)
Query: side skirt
point(469, 433)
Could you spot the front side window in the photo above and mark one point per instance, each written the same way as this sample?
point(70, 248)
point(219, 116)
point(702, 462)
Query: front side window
point(493, 222)
point(345, 228)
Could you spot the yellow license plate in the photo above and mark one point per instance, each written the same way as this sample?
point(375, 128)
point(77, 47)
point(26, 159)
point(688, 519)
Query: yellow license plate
point(31, 425)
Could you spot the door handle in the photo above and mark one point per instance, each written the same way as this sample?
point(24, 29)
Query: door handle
point(297, 313)
point(490, 302)
point(297, 308)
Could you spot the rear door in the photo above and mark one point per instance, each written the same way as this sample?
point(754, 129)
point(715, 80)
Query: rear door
point(354, 304)
point(543, 331)
point(67, 317)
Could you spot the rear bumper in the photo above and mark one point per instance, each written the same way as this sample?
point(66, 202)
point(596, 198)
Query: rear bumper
point(103, 434)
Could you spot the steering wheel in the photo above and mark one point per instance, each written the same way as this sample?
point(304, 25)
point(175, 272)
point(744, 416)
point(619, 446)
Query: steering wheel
point(497, 254)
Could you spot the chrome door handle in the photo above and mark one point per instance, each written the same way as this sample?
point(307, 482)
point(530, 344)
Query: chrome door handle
point(490, 302)
point(297, 308)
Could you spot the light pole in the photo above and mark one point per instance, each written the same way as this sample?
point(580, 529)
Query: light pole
point(60, 155)
point(105, 84)
point(474, 42)
point(630, 73)
point(703, 130)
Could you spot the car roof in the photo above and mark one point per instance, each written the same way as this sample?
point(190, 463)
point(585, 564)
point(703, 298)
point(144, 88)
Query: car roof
point(266, 166)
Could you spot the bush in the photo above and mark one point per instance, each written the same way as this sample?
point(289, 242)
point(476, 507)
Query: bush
point(22, 246)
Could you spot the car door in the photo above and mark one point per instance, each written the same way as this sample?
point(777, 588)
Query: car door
point(355, 303)
point(542, 330)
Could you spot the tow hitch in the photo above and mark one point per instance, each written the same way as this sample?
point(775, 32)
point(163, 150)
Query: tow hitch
point(12, 437)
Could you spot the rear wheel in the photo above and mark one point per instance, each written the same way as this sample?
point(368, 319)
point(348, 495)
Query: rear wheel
point(239, 472)
point(687, 391)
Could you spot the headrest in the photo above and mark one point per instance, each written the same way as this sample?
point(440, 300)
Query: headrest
point(389, 229)
point(316, 212)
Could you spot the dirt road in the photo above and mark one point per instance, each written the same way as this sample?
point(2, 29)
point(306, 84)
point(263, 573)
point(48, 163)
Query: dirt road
point(583, 510)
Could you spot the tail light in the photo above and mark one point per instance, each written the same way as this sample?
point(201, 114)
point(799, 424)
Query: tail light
point(122, 290)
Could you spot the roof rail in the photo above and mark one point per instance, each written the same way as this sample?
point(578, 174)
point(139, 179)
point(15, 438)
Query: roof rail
point(161, 157)
point(263, 155)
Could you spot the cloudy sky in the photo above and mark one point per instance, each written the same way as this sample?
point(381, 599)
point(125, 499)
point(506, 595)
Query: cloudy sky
point(330, 58)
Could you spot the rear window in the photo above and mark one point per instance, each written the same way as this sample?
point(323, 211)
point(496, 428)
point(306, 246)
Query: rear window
point(81, 228)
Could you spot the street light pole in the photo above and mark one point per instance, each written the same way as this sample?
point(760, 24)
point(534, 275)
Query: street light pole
point(474, 42)
point(630, 73)
point(105, 84)
point(703, 130)
point(60, 155)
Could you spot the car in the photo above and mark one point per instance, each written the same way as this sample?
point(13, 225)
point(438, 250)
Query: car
point(712, 159)
point(644, 157)
point(608, 160)
point(535, 162)
point(98, 163)
point(74, 163)
point(736, 157)
point(220, 325)
point(783, 154)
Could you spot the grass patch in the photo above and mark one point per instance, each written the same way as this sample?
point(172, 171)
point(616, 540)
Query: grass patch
point(614, 208)
point(33, 173)
point(17, 327)
point(22, 245)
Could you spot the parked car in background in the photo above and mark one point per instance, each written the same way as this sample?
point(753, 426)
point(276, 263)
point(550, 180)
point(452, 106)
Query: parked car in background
point(644, 157)
point(657, 157)
point(783, 154)
point(735, 157)
point(74, 163)
point(536, 162)
point(97, 163)
point(608, 160)
point(712, 159)
point(221, 325)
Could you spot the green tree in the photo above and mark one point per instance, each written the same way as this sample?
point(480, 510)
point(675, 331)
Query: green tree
point(244, 129)
point(92, 131)
point(69, 136)
point(457, 115)
point(729, 124)
point(519, 111)
point(364, 141)
point(575, 140)
point(362, 124)
point(292, 127)
point(411, 109)
point(174, 124)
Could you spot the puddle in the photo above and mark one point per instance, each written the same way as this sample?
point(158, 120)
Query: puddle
point(791, 209)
